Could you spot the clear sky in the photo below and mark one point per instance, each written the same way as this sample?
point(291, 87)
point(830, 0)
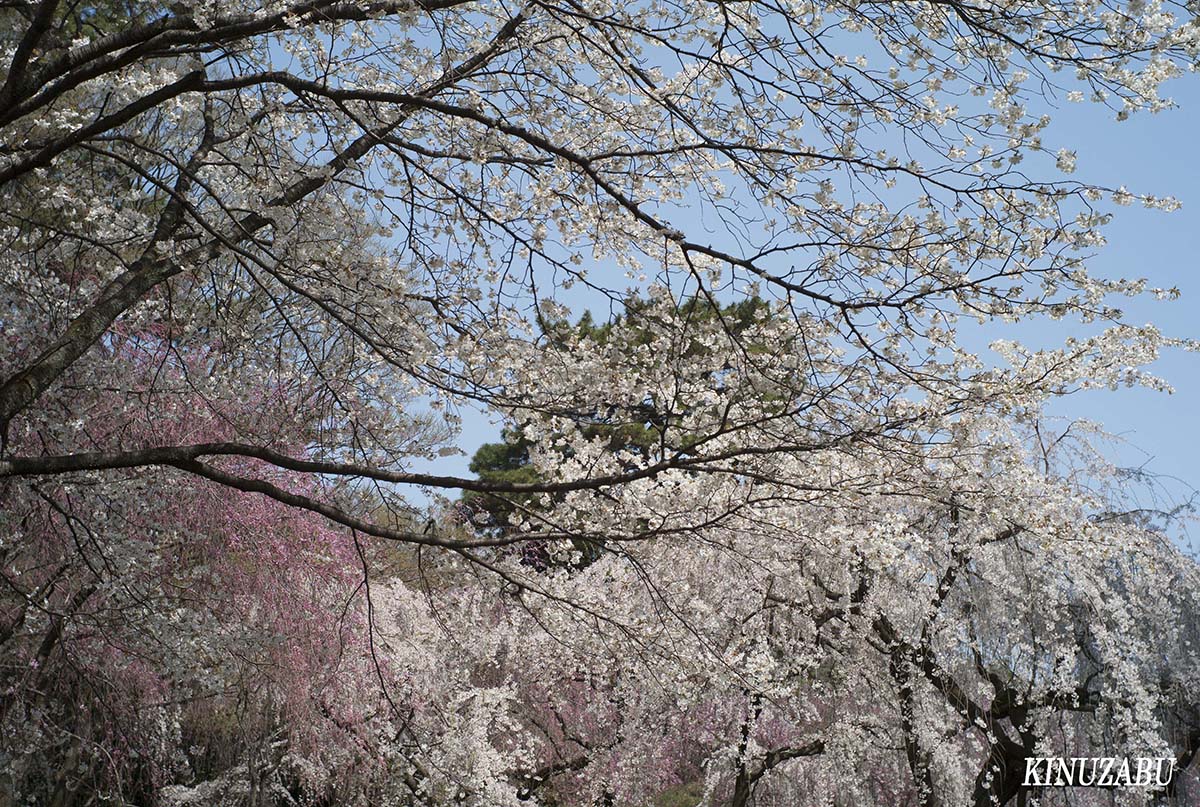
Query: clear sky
point(1150, 154)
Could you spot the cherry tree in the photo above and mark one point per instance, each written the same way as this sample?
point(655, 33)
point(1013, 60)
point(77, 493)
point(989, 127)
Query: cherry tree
point(258, 259)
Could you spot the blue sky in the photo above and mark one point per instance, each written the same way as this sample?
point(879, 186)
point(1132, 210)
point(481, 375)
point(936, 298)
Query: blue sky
point(1150, 154)
point(1154, 154)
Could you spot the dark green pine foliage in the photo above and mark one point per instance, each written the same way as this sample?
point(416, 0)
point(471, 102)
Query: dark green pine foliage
point(640, 431)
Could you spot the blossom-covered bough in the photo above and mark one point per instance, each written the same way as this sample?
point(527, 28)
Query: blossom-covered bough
point(778, 535)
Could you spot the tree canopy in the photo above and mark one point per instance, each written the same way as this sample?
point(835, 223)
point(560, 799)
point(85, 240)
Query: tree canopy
point(769, 532)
